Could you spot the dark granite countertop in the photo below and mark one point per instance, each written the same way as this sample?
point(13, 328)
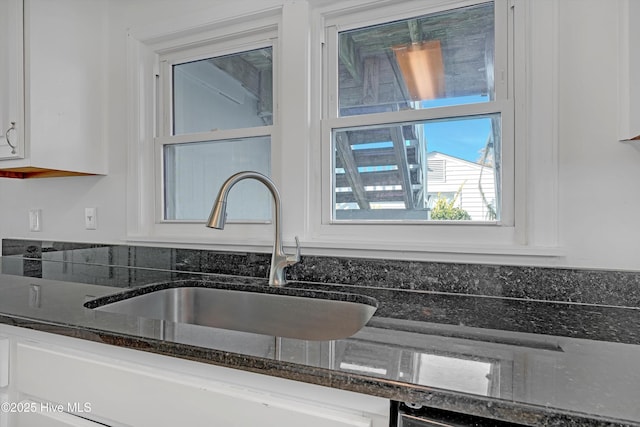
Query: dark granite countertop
point(531, 362)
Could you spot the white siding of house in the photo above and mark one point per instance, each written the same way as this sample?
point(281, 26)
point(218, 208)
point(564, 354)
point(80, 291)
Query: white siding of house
point(457, 173)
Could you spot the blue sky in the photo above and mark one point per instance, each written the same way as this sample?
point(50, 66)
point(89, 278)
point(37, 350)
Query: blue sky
point(463, 138)
point(459, 138)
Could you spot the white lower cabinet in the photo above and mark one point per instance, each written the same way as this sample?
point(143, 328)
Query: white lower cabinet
point(71, 382)
point(4, 378)
point(49, 418)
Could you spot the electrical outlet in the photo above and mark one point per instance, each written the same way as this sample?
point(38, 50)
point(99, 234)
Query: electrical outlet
point(35, 219)
point(90, 220)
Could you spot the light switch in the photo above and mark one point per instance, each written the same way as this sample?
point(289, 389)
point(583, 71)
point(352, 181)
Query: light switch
point(35, 219)
point(90, 220)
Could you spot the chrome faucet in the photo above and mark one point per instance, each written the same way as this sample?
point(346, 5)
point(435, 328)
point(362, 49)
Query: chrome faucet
point(279, 259)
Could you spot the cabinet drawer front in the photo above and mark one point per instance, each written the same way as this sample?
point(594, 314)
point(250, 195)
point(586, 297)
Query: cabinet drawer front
point(143, 396)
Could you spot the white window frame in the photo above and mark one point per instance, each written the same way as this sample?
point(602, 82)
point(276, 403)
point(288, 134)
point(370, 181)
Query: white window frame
point(151, 52)
point(299, 156)
point(237, 44)
point(439, 241)
point(503, 105)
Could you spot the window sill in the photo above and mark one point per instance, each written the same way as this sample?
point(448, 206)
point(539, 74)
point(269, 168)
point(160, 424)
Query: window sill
point(497, 254)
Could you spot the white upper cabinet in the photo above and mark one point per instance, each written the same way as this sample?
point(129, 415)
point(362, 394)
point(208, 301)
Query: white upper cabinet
point(58, 101)
point(629, 80)
point(11, 83)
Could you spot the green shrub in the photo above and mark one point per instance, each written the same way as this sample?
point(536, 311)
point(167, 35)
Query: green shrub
point(444, 209)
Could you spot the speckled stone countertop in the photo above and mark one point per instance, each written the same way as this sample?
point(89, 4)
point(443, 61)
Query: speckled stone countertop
point(529, 362)
point(596, 287)
point(532, 345)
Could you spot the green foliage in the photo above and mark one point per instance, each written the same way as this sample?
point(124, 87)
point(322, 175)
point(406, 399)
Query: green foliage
point(444, 209)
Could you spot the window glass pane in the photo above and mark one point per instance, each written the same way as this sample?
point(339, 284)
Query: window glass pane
point(194, 172)
point(226, 92)
point(445, 169)
point(444, 58)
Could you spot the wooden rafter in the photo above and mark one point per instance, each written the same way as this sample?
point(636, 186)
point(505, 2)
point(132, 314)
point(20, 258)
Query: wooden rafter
point(265, 100)
point(350, 58)
point(398, 80)
point(399, 148)
point(415, 31)
point(371, 83)
point(343, 150)
point(241, 70)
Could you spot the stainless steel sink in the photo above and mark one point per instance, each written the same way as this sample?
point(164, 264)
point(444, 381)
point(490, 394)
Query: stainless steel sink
point(282, 312)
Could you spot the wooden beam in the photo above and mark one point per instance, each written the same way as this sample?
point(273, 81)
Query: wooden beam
point(371, 84)
point(374, 196)
point(343, 150)
point(265, 100)
point(415, 31)
point(399, 147)
point(398, 80)
point(241, 70)
point(378, 178)
point(381, 156)
point(350, 58)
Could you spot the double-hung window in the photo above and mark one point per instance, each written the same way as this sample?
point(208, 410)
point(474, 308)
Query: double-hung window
point(389, 125)
point(216, 118)
point(418, 117)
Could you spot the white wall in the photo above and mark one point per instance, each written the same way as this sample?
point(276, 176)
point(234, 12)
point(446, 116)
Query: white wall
point(599, 176)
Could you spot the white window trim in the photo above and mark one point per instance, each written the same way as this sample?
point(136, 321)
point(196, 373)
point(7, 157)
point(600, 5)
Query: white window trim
point(150, 125)
point(295, 166)
point(534, 51)
point(260, 38)
point(406, 232)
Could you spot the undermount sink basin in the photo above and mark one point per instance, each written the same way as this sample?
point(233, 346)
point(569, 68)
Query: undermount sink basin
point(283, 312)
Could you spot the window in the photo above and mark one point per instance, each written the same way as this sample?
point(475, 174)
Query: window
point(218, 111)
point(346, 125)
point(409, 96)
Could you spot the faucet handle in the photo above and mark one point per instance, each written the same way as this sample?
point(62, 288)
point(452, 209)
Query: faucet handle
point(292, 259)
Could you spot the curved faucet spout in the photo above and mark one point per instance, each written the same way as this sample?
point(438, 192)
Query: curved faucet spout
point(279, 259)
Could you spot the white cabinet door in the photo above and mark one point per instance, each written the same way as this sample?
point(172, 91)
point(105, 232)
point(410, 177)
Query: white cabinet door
point(58, 97)
point(629, 66)
point(45, 418)
point(139, 395)
point(11, 80)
